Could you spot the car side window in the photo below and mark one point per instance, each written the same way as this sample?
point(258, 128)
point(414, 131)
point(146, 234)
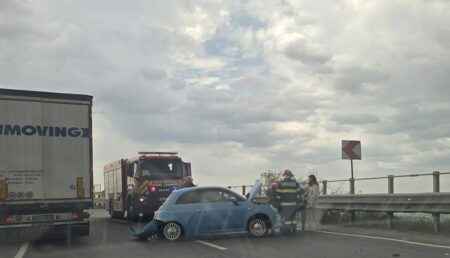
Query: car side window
point(217, 195)
point(189, 197)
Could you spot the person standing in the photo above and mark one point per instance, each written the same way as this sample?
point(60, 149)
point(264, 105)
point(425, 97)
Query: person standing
point(288, 197)
point(312, 212)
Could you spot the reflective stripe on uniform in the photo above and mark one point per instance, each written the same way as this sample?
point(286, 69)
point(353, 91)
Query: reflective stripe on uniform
point(290, 222)
point(287, 191)
point(288, 203)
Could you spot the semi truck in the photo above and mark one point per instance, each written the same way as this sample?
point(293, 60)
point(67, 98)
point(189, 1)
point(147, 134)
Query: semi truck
point(46, 172)
point(139, 185)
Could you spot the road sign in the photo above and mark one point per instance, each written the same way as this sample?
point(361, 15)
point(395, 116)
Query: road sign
point(351, 149)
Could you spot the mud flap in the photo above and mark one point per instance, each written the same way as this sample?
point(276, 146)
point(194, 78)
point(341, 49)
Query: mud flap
point(148, 230)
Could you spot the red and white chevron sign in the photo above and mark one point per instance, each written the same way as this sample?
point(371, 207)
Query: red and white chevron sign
point(351, 149)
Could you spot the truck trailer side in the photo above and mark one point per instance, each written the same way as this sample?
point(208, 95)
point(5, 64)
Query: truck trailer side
point(46, 171)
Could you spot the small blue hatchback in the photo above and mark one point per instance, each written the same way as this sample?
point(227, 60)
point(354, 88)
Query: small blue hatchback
point(200, 211)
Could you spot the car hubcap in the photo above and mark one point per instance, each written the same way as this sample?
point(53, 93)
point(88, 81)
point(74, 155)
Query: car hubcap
point(172, 231)
point(258, 227)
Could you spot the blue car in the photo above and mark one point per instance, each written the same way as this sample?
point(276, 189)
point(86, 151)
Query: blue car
point(200, 211)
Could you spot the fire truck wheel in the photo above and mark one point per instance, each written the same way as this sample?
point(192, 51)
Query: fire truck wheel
point(130, 214)
point(171, 231)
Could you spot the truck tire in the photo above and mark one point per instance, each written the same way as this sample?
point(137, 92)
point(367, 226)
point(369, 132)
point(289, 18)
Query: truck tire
point(114, 214)
point(130, 214)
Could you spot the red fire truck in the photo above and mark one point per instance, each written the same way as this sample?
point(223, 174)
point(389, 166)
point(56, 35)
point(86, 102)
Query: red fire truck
point(141, 184)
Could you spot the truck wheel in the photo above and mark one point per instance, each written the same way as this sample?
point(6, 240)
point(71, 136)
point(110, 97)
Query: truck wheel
point(114, 214)
point(171, 231)
point(130, 214)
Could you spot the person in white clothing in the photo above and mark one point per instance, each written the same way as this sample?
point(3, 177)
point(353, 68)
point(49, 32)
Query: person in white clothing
point(312, 213)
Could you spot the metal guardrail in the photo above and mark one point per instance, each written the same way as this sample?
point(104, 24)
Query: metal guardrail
point(435, 203)
point(425, 202)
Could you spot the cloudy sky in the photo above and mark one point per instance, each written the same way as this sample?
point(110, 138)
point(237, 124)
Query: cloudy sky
point(240, 87)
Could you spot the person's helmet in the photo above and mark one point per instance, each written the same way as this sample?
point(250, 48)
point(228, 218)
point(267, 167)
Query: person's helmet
point(274, 186)
point(188, 179)
point(287, 173)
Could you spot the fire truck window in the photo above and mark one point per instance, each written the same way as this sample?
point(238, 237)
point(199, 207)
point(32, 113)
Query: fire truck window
point(162, 169)
point(145, 172)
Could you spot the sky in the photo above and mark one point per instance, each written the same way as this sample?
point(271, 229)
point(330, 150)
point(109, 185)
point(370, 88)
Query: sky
point(242, 87)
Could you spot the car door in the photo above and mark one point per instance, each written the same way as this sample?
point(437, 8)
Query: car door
point(212, 211)
point(238, 208)
point(219, 213)
point(189, 210)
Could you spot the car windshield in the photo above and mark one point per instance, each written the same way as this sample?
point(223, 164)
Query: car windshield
point(160, 169)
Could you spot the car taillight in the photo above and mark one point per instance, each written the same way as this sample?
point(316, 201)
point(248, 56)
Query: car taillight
point(153, 188)
point(8, 219)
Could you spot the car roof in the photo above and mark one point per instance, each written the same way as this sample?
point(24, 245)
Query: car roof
point(203, 188)
point(176, 194)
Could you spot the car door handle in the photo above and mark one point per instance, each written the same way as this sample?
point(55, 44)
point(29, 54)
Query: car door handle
point(200, 210)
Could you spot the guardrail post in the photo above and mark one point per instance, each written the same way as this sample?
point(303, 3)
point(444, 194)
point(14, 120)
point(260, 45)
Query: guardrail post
point(436, 189)
point(243, 190)
point(324, 187)
point(352, 186)
point(391, 184)
point(390, 215)
point(352, 191)
point(436, 185)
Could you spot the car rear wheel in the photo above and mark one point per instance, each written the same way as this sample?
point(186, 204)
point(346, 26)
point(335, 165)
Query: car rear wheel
point(258, 226)
point(171, 231)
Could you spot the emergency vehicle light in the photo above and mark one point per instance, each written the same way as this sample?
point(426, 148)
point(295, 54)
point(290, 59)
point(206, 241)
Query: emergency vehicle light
point(75, 216)
point(8, 219)
point(153, 188)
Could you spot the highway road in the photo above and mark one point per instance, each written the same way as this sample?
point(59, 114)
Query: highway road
point(111, 238)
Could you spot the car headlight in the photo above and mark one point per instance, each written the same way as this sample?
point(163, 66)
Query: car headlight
point(141, 199)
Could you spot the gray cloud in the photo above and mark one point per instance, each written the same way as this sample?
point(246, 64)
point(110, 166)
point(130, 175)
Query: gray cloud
point(355, 119)
point(271, 85)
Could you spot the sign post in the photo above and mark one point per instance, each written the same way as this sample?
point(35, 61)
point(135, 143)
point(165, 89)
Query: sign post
point(351, 150)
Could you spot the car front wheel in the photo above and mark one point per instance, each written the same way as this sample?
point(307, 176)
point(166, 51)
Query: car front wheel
point(171, 231)
point(258, 227)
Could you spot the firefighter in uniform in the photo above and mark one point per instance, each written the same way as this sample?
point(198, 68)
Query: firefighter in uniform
point(288, 197)
point(188, 182)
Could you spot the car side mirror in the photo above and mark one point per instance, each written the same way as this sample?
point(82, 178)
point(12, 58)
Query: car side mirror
point(234, 200)
point(247, 196)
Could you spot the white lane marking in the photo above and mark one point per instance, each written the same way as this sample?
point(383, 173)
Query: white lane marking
point(22, 250)
point(212, 245)
point(384, 238)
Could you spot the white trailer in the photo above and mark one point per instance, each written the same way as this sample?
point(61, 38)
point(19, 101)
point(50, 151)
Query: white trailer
point(46, 175)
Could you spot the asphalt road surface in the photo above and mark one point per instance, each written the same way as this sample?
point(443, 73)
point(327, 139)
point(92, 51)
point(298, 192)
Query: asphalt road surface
point(111, 238)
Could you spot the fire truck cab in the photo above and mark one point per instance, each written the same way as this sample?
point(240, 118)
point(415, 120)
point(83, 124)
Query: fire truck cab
point(140, 185)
